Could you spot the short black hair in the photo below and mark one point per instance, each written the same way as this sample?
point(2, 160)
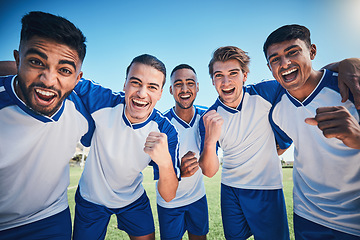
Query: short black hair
point(286, 33)
point(49, 26)
point(149, 60)
point(182, 66)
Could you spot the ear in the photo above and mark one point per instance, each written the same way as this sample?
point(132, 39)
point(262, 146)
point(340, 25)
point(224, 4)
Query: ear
point(197, 87)
point(269, 67)
point(312, 51)
point(124, 85)
point(170, 89)
point(245, 76)
point(79, 77)
point(17, 58)
point(213, 82)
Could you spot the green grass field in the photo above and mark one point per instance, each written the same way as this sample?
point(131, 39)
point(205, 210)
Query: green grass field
point(213, 196)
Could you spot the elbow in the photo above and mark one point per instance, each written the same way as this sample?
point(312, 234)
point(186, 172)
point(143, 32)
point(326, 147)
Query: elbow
point(210, 173)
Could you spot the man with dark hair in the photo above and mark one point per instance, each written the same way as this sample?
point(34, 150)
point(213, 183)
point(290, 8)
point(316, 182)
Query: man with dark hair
point(41, 122)
point(112, 180)
point(252, 201)
point(188, 210)
point(327, 167)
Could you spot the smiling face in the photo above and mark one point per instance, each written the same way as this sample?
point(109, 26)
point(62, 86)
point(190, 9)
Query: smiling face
point(47, 73)
point(290, 64)
point(228, 79)
point(143, 88)
point(184, 87)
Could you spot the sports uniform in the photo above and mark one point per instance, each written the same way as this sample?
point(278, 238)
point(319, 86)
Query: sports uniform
point(35, 151)
point(251, 165)
point(112, 176)
point(188, 210)
point(326, 171)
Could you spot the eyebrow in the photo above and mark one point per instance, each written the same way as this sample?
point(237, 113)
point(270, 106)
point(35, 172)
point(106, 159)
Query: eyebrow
point(285, 50)
point(44, 56)
point(188, 79)
point(68, 62)
point(37, 52)
point(231, 70)
point(138, 79)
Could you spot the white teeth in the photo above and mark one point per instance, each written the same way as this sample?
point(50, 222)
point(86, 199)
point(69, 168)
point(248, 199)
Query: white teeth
point(139, 101)
point(45, 93)
point(288, 72)
point(227, 89)
point(185, 96)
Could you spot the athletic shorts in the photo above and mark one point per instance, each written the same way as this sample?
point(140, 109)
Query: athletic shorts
point(56, 227)
point(247, 212)
point(192, 218)
point(308, 230)
point(91, 220)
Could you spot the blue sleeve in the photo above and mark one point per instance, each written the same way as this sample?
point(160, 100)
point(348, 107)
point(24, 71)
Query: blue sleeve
point(95, 97)
point(86, 139)
point(281, 137)
point(268, 89)
point(202, 134)
point(173, 145)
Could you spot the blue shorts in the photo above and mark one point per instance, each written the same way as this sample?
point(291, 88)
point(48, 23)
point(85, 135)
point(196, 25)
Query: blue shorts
point(247, 212)
point(175, 221)
point(57, 227)
point(308, 230)
point(91, 219)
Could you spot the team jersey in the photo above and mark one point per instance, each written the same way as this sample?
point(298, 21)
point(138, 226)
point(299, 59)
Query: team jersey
point(326, 172)
point(112, 175)
point(192, 188)
point(35, 151)
point(250, 159)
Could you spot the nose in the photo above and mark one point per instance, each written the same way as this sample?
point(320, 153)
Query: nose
point(48, 77)
point(285, 62)
point(226, 80)
point(184, 88)
point(142, 92)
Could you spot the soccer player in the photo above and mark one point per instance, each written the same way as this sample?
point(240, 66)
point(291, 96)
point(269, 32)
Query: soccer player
point(112, 180)
point(252, 200)
point(188, 211)
point(327, 156)
point(41, 121)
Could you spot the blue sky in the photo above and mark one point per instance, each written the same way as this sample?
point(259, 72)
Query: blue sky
point(188, 31)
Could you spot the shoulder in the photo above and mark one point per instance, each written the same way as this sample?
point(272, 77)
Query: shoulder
point(267, 89)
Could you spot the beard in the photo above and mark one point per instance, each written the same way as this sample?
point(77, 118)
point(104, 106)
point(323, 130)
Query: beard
point(185, 106)
point(26, 92)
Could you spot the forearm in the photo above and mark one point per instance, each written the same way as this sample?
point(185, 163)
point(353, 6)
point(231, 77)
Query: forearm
point(167, 183)
point(7, 68)
point(209, 161)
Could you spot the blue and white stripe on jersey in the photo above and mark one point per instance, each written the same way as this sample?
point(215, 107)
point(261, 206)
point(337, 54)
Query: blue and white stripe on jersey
point(112, 176)
point(250, 159)
point(326, 171)
point(35, 151)
point(192, 188)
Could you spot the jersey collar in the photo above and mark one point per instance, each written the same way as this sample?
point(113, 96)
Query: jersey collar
point(182, 122)
point(9, 87)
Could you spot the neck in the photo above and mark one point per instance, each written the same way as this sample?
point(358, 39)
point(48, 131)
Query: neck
point(185, 114)
point(304, 91)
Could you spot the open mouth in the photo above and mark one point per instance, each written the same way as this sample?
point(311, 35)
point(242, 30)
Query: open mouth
point(290, 75)
point(139, 103)
point(45, 96)
point(185, 96)
point(228, 90)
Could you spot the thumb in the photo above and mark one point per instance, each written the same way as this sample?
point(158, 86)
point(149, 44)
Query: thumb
point(311, 121)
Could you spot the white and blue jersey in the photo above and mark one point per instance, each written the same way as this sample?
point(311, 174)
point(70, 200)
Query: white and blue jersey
point(112, 176)
point(250, 159)
point(34, 156)
point(326, 172)
point(192, 188)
